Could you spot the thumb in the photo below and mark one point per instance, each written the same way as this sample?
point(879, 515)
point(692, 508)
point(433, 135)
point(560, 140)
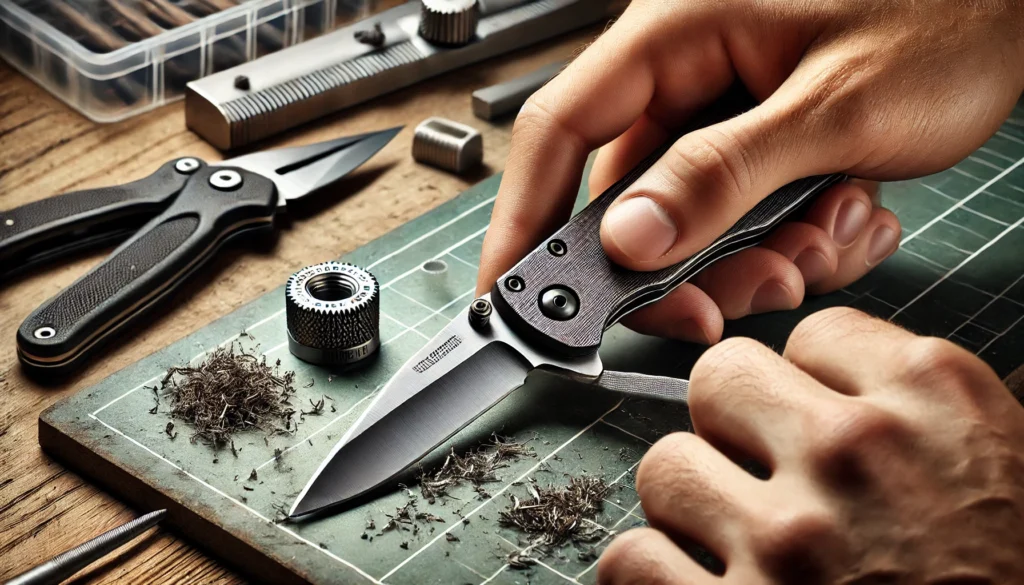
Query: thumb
point(706, 181)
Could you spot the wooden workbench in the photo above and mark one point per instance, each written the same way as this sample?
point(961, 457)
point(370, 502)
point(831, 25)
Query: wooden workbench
point(46, 148)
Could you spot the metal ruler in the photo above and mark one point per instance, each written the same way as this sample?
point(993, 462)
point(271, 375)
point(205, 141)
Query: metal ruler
point(335, 71)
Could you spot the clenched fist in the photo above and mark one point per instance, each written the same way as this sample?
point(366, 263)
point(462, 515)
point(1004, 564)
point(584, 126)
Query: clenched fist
point(894, 459)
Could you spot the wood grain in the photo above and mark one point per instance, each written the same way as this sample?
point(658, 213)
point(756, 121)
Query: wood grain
point(46, 148)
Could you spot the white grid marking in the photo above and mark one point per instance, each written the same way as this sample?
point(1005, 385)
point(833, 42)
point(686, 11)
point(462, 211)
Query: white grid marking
point(1008, 329)
point(982, 310)
point(963, 201)
point(943, 278)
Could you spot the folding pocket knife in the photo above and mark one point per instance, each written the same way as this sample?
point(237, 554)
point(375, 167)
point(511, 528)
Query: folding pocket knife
point(548, 312)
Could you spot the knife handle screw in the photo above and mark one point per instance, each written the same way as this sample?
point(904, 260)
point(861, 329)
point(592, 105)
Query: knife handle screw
point(242, 83)
point(514, 283)
point(559, 303)
point(557, 248)
point(226, 180)
point(480, 314)
point(186, 166)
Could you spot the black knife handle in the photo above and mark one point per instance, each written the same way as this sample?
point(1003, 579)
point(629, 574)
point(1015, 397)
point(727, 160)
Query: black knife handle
point(145, 268)
point(43, 230)
point(606, 292)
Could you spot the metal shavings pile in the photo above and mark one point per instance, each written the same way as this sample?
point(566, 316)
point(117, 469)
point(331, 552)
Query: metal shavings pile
point(406, 518)
point(477, 466)
point(556, 515)
point(230, 391)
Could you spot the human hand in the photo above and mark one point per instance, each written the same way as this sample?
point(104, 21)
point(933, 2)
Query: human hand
point(894, 459)
point(881, 90)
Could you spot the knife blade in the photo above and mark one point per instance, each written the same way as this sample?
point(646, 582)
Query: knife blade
point(437, 393)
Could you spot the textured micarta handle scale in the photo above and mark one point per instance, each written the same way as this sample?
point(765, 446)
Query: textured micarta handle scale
point(45, 229)
point(145, 268)
point(606, 292)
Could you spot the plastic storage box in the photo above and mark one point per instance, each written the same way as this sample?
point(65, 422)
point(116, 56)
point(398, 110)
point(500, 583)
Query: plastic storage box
point(111, 59)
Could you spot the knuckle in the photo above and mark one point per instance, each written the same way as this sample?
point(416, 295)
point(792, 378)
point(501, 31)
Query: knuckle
point(534, 115)
point(933, 364)
point(728, 363)
point(712, 162)
point(624, 562)
point(822, 327)
point(663, 469)
point(788, 538)
point(929, 358)
point(850, 434)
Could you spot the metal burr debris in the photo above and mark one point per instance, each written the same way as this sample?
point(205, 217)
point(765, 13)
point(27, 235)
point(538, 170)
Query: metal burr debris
point(447, 145)
point(333, 314)
point(449, 23)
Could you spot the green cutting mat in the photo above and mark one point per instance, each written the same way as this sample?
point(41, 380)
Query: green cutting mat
point(958, 275)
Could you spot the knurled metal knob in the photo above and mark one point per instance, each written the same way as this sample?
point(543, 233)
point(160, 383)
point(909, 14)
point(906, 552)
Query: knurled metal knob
point(449, 23)
point(333, 314)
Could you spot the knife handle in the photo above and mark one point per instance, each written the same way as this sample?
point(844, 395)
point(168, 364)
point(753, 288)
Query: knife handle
point(573, 260)
point(144, 269)
point(43, 230)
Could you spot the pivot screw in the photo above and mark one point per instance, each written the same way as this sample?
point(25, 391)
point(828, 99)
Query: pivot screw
point(514, 284)
point(186, 166)
point(480, 314)
point(227, 180)
point(559, 304)
point(557, 248)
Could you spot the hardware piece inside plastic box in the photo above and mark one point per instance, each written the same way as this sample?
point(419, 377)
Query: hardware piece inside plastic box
point(112, 59)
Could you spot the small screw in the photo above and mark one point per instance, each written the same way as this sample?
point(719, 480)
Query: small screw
point(373, 36)
point(44, 333)
point(557, 247)
point(242, 83)
point(514, 284)
point(480, 314)
point(227, 180)
point(9, 222)
point(186, 166)
point(559, 303)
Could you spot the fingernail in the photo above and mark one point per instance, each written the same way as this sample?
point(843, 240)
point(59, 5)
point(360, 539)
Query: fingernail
point(813, 265)
point(771, 296)
point(850, 219)
point(641, 229)
point(883, 242)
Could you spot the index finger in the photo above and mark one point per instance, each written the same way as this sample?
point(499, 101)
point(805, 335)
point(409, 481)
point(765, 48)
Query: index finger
point(596, 98)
